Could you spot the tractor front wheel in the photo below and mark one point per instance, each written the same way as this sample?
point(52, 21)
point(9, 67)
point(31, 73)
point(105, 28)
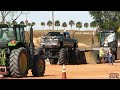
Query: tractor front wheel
point(38, 66)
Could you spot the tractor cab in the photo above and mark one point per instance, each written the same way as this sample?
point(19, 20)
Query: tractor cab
point(6, 33)
point(9, 33)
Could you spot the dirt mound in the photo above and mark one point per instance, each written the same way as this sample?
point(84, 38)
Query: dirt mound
point(36, 42)
point(83, 45)
point(84, 37)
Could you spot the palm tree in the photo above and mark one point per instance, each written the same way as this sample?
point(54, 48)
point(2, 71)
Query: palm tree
point(86, 25)
point(26, 22)
point(33, 23)
point(93, 24)
point(29, 24)
point(57, 23)
point(79, 25)
point(20, 22)
point(49, 23)
point(64, 25)
point(43, 24)
point(71, 23)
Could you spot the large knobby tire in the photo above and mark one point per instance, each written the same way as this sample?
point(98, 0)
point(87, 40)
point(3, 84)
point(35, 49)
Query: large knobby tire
point(72, 59)
point(53, 61)
point(38, 66)
point(77, 56)
point(62, 57)
point(18, 62)
point(74, 56)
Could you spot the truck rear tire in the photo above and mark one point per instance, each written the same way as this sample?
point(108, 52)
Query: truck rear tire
point(63, 57)
point(74, 56)
point(19, 63)
point(72, 59)
point(77, 56)
point(38, 68)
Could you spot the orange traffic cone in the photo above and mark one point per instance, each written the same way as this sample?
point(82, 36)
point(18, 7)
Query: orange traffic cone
point(64, 73)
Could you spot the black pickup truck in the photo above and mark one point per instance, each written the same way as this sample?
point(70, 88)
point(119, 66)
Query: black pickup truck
point(60, 48)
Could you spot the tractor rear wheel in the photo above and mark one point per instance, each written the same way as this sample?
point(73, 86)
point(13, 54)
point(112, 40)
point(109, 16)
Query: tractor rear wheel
point(38, 66)
point(19, 62)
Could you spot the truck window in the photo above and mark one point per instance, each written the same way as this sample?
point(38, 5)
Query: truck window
point(53, 34)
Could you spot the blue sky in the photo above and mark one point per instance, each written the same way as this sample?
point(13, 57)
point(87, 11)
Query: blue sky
point(44, 16)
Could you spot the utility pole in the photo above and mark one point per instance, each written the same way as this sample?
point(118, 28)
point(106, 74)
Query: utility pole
point(53, 20)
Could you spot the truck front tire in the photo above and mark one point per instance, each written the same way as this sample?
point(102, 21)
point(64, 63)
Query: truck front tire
point(63, 57)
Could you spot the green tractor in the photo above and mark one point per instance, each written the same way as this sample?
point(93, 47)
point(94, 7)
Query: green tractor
point(17, 55)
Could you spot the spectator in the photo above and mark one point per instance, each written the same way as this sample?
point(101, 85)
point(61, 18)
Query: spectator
point(110, 56)
point(101, 54)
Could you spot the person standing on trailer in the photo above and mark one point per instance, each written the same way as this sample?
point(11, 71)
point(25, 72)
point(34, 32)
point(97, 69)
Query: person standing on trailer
point(66, 34)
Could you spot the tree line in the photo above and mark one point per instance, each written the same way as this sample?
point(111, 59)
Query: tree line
point(106, 20)
point(71, 23)
point(103, 20)
point(14, 15)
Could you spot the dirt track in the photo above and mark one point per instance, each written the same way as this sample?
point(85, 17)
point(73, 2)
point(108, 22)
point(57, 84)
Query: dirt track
point(83, 71)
